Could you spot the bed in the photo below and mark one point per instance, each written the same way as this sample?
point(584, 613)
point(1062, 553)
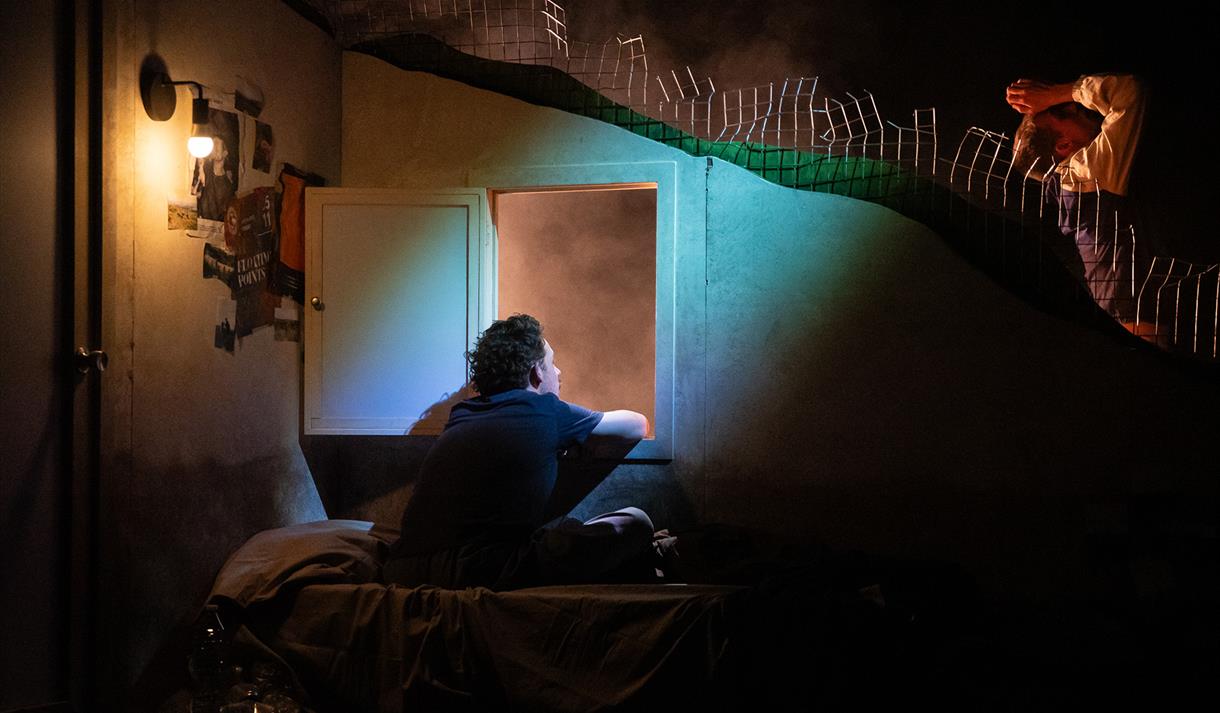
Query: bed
point(763, 629)
point(309, 596)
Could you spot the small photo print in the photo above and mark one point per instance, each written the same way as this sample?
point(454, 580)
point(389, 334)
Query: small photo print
point(213, 231)
point(286, 331)
point(264, 147)
point(288, 323)
point(218, 263)
point(225, 335)
point(182, 213)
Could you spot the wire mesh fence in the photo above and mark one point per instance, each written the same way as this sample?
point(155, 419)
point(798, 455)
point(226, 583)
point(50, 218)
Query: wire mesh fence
point(1167, 301)
point(1068, 253)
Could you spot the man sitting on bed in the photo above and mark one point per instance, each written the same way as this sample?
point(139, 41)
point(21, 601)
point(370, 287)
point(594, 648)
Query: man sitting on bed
point(475, 517)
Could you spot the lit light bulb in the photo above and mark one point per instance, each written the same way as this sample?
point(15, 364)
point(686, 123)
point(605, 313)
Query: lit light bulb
point(199, 146)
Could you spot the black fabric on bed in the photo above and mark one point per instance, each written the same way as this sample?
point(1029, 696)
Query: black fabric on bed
point(796, 631)
point(310, 594)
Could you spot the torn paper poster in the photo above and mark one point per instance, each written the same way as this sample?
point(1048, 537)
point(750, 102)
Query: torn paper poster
point(288, 322)
point(218, 263)
point(289, 276)
point(254, 248)
point(214, 180)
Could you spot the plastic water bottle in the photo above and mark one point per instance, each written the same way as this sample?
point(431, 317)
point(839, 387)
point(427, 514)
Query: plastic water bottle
point(208, 663)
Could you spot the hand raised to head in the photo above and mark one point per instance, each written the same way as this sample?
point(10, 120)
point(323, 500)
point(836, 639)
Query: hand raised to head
point(1030, 96)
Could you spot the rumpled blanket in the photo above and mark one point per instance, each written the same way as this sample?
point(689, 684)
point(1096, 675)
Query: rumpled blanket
point(311, 594)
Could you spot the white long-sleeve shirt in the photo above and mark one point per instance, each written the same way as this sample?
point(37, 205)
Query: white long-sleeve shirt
point(1105, 163)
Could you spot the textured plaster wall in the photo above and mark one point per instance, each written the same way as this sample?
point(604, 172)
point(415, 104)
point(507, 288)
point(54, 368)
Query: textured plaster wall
point(214, 446)
point(841, 374)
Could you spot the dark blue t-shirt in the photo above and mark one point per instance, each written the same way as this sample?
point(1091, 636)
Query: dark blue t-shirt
point(489, 475)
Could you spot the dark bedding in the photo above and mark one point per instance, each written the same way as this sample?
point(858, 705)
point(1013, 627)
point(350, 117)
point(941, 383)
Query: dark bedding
point(805, 631)
point(798, 630)
point(310, 594)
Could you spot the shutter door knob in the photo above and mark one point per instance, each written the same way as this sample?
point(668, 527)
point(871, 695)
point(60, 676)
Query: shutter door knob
point(95, 359)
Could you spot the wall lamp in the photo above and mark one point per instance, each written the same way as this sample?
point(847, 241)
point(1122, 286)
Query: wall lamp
point(157, 92)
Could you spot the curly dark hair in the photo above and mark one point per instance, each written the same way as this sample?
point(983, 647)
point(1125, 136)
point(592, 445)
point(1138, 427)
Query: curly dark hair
point(504, 353)
point(1034, 145)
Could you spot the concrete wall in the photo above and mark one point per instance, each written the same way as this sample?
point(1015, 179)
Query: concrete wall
point(841, 374)
point(208, 450)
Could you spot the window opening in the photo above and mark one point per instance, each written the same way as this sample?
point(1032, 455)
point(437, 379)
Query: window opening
point(583, 261)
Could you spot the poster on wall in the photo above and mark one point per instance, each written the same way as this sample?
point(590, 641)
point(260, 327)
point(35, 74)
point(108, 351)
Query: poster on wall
point(289, 275)
point(264, 147)
point(250, 233)
point(214, 178)
point(244, 262)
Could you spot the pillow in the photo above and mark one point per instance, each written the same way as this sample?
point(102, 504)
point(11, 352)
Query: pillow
point(324, 552)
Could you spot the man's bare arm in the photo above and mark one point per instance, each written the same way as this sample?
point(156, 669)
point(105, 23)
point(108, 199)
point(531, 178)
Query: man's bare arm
point(622, 424)
point(1029, 96)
